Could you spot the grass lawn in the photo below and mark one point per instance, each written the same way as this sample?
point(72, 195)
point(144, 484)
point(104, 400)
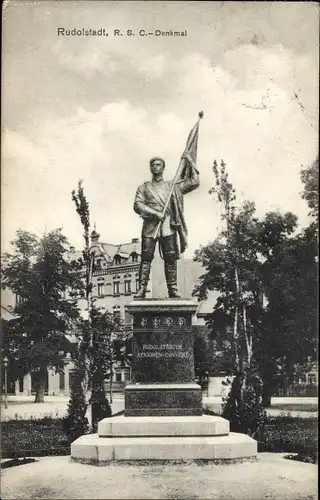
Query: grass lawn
point(296, 407)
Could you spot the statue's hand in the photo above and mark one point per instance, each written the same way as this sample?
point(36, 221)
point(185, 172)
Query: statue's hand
point(187, 157)
point(160, 216)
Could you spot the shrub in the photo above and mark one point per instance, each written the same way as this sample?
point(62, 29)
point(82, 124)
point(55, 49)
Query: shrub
point(243, 405)
point(76, 423)
point(100, 407)
point(285, 433)
point(21, 438)
point(290, 434)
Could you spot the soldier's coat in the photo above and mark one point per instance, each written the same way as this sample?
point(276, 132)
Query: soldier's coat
point(148, 195)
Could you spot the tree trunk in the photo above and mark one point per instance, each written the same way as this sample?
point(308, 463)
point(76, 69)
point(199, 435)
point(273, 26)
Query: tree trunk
point(110, 388)
point(235, 339)
point(266, 396)
point(111, 373)
point(40, 385)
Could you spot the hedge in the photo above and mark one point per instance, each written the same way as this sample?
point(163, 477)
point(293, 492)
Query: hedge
point(291, 434)
point(48, 436)
point(37, 438)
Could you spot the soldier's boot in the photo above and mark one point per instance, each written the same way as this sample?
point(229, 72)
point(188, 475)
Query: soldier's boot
point(144, 274)
point(170, 270)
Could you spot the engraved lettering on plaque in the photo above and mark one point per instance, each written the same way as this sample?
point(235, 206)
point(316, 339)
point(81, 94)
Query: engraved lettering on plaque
point(156, 322)
point(181, 321)
point(143, 322)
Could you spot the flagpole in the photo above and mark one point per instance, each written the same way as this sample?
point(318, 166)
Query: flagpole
point(181, 163)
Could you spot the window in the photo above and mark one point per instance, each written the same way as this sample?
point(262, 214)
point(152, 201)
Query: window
point(312, 380)
point(61, 381)
point(118, 377)
point(126, 374)
point(117, 260)
point(19, 299)
point(127, 318)
point(116, 288)
point(137, 284)
point(302, 380)
point(100, 289)
point(116, 314)
point(72, 378)
point(134, 257)
point(127, 287)
point(98, 263)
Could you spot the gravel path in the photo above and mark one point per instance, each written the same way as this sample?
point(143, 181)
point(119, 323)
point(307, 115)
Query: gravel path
point(271, 477)
point(56, 406)
point(55, 409)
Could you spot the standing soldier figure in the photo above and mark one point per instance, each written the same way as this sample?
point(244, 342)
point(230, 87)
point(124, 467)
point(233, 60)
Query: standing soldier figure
point(160, 204)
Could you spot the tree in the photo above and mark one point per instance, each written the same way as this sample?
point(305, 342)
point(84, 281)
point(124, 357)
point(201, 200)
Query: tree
point(108, 348)
point(265, 314)
point(237, 263)
point(101, 336)
point(290, 277)
point(201, 358)
point(232, 266)
point(310, 180)
point(39, 273)
point(289, 324)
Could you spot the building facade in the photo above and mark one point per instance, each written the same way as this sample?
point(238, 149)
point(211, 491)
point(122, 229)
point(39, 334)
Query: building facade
point(115, 281)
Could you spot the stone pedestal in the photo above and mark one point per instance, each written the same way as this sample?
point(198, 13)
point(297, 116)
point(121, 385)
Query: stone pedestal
point(163, 405)
point(163, 438)
point(163, 362)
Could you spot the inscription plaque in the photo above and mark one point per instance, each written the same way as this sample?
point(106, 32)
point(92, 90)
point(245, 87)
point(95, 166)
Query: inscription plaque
point(163, 356)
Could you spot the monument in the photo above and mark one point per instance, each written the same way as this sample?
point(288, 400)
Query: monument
point(163, 417)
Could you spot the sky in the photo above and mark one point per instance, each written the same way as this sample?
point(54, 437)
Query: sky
point(98, 108)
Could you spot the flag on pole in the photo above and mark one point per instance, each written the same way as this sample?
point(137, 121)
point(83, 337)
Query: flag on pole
point(191, 147)
point(184, 166)
point(192, 141)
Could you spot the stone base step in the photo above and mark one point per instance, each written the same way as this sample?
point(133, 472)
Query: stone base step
point(97, 449)
point(204, 425)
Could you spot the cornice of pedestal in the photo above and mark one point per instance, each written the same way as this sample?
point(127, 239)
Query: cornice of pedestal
point(162, 305)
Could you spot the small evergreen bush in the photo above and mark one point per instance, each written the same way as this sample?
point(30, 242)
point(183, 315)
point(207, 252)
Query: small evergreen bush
point(243, 405)
point(100, 406)
point(76, 423)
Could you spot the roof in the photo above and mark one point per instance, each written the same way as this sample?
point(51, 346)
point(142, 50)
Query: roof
point(129, 248)
point(108, 249)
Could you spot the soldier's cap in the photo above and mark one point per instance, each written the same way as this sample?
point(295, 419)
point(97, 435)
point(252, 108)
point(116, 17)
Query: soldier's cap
point(157, 158)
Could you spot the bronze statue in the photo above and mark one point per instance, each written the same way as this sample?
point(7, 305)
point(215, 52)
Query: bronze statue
point(160, 204)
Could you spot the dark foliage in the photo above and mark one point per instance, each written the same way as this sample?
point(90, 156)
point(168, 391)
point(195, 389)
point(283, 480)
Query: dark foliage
point(290, 434)
point(100, 406)
point(76, 424)
point(243, 406)
point(286, 434)
point(36, 438)
point(15, 462)
point(38, 271)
